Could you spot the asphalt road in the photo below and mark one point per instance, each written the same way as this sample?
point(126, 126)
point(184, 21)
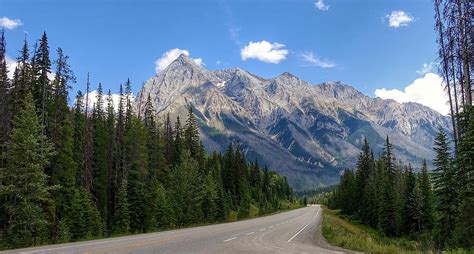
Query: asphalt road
point(296, 231)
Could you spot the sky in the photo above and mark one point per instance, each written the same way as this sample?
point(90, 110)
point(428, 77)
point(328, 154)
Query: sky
point(384, 48)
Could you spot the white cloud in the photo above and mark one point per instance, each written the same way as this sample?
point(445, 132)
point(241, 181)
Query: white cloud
point(427, 68)
point(264, 51)
point(313, 60)
point(171, 55)
point(320, 5)
point(11, 66)
point(427, 90)
point(93, 99)
point(399, 18)
point(10, 23)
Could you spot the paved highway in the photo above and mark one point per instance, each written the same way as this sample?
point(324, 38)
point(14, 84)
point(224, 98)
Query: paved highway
point(296, 231)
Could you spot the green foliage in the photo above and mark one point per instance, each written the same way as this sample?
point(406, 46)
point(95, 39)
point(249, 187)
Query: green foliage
point(112, 172)
point(122, 213)
point(435, 210)
point(23, 183)
point(352, 235)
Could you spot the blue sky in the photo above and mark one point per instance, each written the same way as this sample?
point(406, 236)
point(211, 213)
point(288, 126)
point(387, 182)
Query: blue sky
point(353, 41)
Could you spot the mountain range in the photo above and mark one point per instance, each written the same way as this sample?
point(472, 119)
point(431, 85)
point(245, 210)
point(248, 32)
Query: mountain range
point(310, 133)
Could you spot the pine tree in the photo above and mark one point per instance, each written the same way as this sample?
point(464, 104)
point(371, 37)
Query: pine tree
point(364, 175)
point(169, 142)
point(87, 161)
point(155, 145)
point(122, 213)
point(112, 188)
point(191, 134)
point(23, 182)
point(100, 138)
point(178, 142)
point(5, 116)
point(137, 159)
point(160, 207)
point(426, 199)
point(209, 200)
point(120, 163)
point(78, 136)
point(76, 215)
point(444, 191)
point(63, 167)
point(389, 217)
point(186, 191)
point(465, 179)
point(42, 87)
point(21, 83)
point(411, 205)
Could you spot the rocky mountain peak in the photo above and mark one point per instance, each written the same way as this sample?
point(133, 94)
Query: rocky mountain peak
point(307, 132)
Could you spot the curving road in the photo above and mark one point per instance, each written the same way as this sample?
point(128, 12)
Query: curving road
point(296, 231)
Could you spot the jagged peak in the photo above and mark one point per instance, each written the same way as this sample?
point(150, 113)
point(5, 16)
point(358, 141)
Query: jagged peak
point(183, 61)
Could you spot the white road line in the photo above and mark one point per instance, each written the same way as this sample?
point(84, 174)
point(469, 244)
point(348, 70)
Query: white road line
point(297, 233)
point(250, 233)
point(262, 229)
point(270, 227)
point(230, 239)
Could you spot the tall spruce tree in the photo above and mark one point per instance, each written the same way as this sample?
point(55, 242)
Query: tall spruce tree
point(24, 187)
point(122, 212)
point(63, 167)
point(465, 179)
point(426, 199)
point(191, 134)
point(411, 217)
point(444, 190)
point(100, 139)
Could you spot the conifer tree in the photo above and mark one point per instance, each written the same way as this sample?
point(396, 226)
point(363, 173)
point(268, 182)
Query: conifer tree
point(87, 149)
point(186, 191)
point(426, 199)
point(169, 141)
point(112, 189)
point(136, 140)
point(23, 183)
point(100, 157)
point(191, 135)
point(178, 142)
point(78, 128)
point(5, 115)
point(411, 208)
point(444, 191)
point(21, 83)
point(465, 179)
point(122, 213)
point(42, 87)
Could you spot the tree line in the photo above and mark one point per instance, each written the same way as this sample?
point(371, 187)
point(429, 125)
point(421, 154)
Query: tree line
point(438, 206)
point(88, 171)
point(387, 195)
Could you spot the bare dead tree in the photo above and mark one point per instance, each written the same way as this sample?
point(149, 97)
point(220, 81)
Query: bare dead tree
point(453, 23)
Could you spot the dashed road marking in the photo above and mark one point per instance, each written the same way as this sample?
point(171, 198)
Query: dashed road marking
point(262, 229)
point(250, 233)
point(230, 239)
point(297, 233)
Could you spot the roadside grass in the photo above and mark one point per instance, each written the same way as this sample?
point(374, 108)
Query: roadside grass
point(354, 236)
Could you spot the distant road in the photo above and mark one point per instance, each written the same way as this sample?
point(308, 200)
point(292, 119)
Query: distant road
point(296, 231)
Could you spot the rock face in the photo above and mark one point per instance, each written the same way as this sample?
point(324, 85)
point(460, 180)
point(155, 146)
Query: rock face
point(309, 133)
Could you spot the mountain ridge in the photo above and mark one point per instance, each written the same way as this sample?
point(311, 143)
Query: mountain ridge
point(309, 133)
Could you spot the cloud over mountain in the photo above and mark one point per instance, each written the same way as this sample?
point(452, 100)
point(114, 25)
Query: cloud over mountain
point(170, 55)
point(264, 51)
